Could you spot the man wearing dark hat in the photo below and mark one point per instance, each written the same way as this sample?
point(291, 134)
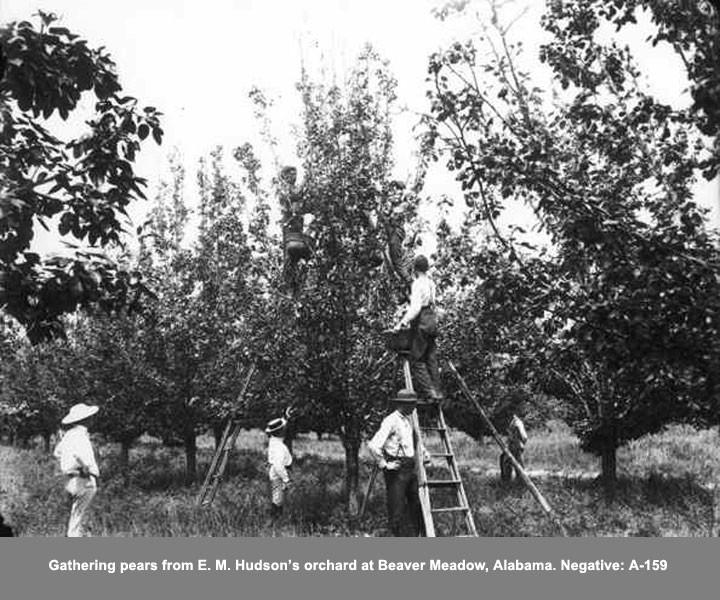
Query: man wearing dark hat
point(78, 465)
point(422, 320)
point(393, 446)
point(279, 459)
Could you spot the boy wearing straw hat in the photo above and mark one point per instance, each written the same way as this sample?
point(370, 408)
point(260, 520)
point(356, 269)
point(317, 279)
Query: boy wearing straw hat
point(279, 459)
point(77, 463)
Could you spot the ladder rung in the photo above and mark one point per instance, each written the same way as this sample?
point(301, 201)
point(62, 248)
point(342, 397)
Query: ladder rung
point(440, 454)
point(433, 429)
point(442, 482)
point(450, 509)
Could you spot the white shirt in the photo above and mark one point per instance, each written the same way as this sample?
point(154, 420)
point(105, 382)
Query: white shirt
point(516, 430)
point(279, 458)
point(75, 452)
point(395, 437)
point(422, 293)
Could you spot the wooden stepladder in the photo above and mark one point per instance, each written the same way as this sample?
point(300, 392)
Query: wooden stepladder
point(444, 503)
point(222, 452)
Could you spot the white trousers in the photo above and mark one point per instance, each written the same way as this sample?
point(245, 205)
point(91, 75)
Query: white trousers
point(277, 488)
point(82, 490)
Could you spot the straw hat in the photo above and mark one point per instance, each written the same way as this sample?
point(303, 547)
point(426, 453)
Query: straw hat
point(276, 425)
point(406, 397)
point(79, 412)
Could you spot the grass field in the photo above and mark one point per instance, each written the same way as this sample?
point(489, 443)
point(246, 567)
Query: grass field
point(663, 490)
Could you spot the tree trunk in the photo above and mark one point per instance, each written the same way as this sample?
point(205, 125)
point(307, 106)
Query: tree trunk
point(190, 457)
point(352, 473)
point(609, 470)
point(46, 442)
point(289, 437)
point(125, 453)
point(218, 431)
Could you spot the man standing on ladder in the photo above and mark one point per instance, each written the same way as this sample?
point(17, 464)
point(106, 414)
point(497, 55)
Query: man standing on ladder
point(422, 320)
point(393, 447)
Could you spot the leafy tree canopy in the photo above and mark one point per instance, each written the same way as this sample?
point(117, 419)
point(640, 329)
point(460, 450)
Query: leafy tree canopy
point(79, 187)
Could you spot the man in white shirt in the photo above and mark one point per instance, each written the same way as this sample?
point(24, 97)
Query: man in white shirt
point(78, 465)
point(279, 459)
point(393, 447)
point(421, 318)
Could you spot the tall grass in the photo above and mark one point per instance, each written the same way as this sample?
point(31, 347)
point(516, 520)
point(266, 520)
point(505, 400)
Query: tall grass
point(661, 490)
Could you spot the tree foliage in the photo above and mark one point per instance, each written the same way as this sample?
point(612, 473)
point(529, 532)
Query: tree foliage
point(609, 175)
point(80, 187)
point(346, 150)
point(692, 29)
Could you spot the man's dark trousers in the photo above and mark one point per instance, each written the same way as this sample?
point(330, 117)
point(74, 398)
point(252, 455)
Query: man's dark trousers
point(423, 362)
point(403, 503)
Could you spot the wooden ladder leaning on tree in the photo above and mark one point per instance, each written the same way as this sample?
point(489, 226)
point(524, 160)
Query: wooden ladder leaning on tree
point(226, 444)
point(503, 447)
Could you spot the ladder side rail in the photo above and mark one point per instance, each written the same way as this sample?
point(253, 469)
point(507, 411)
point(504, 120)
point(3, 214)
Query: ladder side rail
point(212, 469)
point(455, 469)
point(423, 489)
point(217, 478)
point(219, 462)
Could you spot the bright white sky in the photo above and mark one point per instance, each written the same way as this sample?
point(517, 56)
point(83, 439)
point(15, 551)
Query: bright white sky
point(196, 62)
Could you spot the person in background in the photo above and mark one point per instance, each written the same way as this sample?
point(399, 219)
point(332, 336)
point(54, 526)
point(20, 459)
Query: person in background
point(279, 459)
point(77, 463)
point(5, 530)
point(421, 318)
point(516, 440)
point(393, 447)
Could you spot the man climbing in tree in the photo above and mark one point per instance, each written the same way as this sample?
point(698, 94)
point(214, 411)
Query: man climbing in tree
point(297, 245)
point(397, 257)
point(291, 200)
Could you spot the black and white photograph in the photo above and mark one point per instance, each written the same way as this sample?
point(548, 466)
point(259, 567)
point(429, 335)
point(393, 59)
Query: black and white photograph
point(360, 269)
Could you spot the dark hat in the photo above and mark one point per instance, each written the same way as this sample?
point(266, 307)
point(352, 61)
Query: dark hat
point(421, 263)
point(405, 397)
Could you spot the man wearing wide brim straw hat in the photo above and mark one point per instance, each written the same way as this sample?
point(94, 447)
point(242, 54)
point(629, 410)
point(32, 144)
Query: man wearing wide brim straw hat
point(279, 459)
point(78, 465)
point(393, 446)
